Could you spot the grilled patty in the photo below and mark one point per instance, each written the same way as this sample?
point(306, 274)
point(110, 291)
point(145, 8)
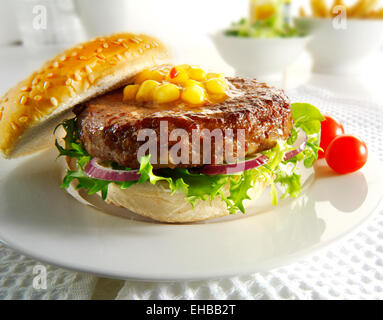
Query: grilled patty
point(108, 127)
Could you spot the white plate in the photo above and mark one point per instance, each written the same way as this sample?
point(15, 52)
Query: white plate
point(41, 220)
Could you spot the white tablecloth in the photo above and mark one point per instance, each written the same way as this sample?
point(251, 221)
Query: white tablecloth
point(350, 269)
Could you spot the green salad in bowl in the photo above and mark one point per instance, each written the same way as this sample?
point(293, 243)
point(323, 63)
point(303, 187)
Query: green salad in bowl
point(267, 19)
point(264, 44)
point(269, 28)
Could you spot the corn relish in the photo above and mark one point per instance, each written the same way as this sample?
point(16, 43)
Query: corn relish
point(183, 84)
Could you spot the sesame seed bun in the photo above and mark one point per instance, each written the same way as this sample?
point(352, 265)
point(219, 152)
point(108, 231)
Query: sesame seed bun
point(30, 110)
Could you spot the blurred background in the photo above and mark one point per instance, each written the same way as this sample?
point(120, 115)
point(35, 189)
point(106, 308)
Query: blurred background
point(175, 20)
point(284, 42)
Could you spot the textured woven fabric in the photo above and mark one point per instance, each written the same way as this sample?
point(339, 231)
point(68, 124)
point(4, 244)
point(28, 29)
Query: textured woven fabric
point(17, 274)
point(351, 269)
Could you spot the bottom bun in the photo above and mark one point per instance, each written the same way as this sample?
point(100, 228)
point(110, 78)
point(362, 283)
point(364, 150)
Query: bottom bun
point(156, 201)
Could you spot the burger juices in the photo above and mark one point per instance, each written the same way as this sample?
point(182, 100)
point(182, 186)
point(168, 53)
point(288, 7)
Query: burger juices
point(173, 143)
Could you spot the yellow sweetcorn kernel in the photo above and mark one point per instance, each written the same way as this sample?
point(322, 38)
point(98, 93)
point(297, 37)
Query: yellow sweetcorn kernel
point(158, 75)
point(149, 75)
point(166, 93)
point(142, 76)
point(190, 83)
point(194, 95)
point(145, 92)
point(197, 74)
point(177, 75)
point(214, 75)
point(217, 98)
point(216, 86)
point(130, 92)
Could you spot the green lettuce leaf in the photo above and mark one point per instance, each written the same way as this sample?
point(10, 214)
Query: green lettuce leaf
point(232, 189)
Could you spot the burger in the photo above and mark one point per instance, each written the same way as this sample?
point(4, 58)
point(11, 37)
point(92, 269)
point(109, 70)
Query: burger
point(174, 143)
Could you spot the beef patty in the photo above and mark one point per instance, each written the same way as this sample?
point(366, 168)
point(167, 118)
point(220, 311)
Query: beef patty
point(108, 127)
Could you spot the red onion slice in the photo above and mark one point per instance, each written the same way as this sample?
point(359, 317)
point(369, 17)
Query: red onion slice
point(97, 171)
point(298, 150)
point(249, 164)
point(235, 167)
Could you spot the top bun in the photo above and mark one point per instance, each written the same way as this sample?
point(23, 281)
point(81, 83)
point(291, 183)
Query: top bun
point(30, 110)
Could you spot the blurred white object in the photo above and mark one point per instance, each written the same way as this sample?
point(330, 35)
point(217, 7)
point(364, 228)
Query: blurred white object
point(174, 22)
point(102, 17)
point(9, 32)
point(258, 57)
point(46, 23)
point(341, 51)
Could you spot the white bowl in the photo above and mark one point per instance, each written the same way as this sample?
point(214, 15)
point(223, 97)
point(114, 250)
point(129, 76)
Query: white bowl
point(341, 51)
point(259, 57)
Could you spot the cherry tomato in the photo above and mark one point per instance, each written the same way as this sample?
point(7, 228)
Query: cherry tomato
point(346, 154)
point(173, 73)
point(330, 128)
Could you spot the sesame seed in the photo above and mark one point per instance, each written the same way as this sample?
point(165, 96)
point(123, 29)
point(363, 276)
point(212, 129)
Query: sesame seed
point(23, 100)
point(99, 50)
point(125, 45)
point(68, 82)
point(102, 39)
point(63, 58)
point(50, 75)
point(91, 78)
point(113, 62)
point(46, 85)
point(83, 58)
point(140, 50)
point(101, 56)
point(25, 88)
point(120, 40)
point(86, 85)
point(88, 69)
point(138, 39)
point(127, 54)
point(105, 45)
point(35, 81)
point(54, 101)
point(37, 98)
point(23, 119)
point(155, 44)
point(14, 126)
point(134, 40)
point(77, 76)
point(55, 64)
point(74, 54)
point(119, 57)
point(72, 91)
